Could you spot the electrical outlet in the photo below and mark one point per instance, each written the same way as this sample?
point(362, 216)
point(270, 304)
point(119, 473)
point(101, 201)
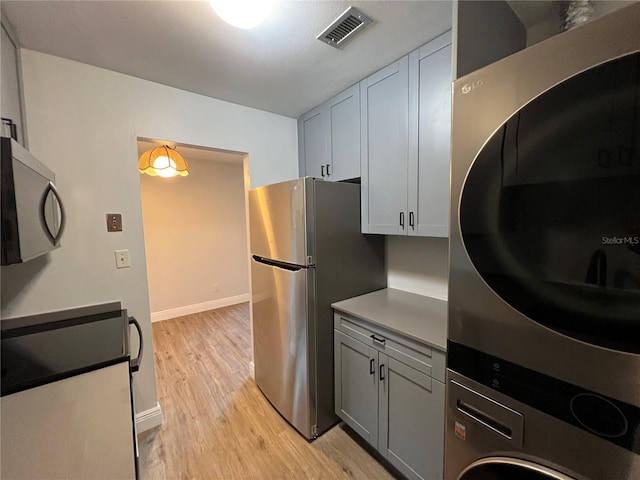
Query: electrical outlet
point(216, 287)
point(122, 259)
point(114, 222)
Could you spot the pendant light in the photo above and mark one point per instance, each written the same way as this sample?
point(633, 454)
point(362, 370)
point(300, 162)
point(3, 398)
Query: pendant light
point(163, 161)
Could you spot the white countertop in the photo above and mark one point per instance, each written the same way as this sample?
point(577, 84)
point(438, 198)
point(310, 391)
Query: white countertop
point(416, 316)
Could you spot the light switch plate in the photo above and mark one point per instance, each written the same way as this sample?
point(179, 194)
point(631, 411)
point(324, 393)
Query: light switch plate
point(114, 222)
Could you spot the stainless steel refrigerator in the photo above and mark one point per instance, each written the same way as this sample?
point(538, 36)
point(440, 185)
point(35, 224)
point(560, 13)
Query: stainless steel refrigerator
point(307, 252)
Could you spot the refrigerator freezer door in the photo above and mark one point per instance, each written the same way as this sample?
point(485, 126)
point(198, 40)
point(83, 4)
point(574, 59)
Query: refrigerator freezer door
point(284, 340)
point(280, 223)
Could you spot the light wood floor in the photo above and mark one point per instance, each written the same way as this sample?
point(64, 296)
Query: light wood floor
point(216, 422)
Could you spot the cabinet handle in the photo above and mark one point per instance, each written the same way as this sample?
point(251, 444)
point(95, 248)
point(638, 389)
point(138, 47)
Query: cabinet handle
point(402, 219)
point(382, 377)
point(328, 174)
point(411, 221)
point(13, 129)
point(372, 366)
point(377, 340)
point(322, 170)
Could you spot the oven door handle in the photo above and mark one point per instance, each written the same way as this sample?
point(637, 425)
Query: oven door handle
point(134, 364)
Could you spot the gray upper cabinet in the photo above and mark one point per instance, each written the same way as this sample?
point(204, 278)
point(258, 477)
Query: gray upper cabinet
point(329, 138)
point(313, 142)
point(393, 130)
point(10, 85)
point(406, 135)
point(430, 138)
point(344, 131)
point(384, 103)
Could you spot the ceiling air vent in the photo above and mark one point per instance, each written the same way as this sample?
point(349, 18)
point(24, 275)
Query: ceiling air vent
point(345, 27)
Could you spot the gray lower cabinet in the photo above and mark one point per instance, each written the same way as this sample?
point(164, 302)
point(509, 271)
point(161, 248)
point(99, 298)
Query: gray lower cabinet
point(385, 391)
point(411, 427)
point(357, 386)
point(329, 138)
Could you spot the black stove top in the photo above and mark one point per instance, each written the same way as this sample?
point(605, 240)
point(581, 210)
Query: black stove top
point(35, 351)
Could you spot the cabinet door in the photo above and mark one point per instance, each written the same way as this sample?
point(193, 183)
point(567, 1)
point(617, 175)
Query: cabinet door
point(313, 142)
point(77, 428)
point(384, 149)
point(430, 138)
point(344, 117)
point(10, 84)
point(356, 386)
point(411, 429)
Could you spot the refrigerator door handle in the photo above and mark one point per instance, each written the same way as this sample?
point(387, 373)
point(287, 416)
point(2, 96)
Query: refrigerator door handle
point(273, 263)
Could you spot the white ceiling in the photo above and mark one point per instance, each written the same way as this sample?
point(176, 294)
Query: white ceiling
point(279, 66)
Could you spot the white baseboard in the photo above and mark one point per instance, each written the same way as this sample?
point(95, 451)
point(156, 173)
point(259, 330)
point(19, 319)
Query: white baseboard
point(252, 369)
point(198, 307)
point(148, 419)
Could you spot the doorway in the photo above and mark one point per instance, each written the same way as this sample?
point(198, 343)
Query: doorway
point(195, 232)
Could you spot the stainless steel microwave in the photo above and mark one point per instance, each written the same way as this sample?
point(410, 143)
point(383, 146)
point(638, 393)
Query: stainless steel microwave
point(32, 212)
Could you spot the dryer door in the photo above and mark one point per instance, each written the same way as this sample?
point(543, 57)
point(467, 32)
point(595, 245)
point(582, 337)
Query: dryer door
point(506, 468)
point(550, 208)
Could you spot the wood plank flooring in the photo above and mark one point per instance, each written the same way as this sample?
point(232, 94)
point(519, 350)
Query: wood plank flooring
point(216, 422)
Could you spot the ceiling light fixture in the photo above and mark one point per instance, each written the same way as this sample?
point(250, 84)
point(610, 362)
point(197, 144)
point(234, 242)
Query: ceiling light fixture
point(243, 13)
point(163, 161)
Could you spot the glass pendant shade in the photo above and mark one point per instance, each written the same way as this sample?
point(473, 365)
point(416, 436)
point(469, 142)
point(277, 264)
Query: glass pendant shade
point(163, 161)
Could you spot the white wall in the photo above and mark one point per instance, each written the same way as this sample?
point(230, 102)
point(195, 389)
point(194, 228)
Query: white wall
point(83, 123)
point(195, 236)
point(418, 265)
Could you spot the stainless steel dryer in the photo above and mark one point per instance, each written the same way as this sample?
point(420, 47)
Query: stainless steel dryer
point(544, 295)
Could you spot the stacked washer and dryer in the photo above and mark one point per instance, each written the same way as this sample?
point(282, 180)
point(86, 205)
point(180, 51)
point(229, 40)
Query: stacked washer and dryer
point(543, 378)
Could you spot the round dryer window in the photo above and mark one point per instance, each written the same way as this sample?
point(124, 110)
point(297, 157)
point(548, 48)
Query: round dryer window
point(506, 468)
point(550, 208)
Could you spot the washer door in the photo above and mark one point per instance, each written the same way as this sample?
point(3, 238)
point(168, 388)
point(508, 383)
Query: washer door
point(506, 468)
point(550, 208)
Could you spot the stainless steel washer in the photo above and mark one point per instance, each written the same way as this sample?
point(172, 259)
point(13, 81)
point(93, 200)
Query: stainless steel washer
point(550, 430)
